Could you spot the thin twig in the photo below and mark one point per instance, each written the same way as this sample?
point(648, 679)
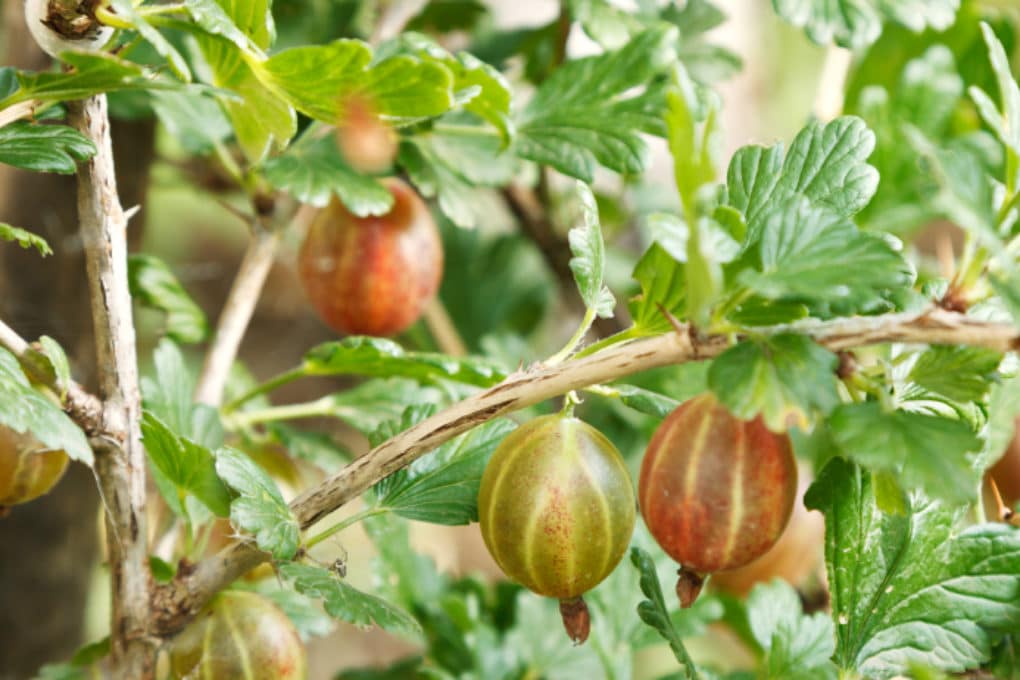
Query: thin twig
point(237, 313)
point(239, 307)
point(443, 330)
point(120, 462)
point(177, 602)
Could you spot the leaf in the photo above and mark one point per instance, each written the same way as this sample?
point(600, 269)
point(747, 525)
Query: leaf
point(825, 163)
point(797, 647)
point(25, 239)
point(168, 395)
point(451, 162)
point(654, 613)
point(259, 508)
point(807, 253)
point(94, 73)
point(644, 401)
point(187, 466)
point(788, 378)
point(261, 119)
point(193, 119)
point(858, 23)
point(582, 115)
point(478, 87)
point(956, 372)
point(29, 411)
point(928, 452)
point(44, 148)
point(662, 280)
point(589, 256)
point(346, 603)
point(1005, 124)
point(57, 359)
point(368, 356)
point(245, 24)
point(442, 487)
point(154, 285)
point(313, 171)
point(125, 9)
point(315, 79)
point(928, 592)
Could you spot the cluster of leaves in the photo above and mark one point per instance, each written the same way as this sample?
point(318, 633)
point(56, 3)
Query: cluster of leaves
point(794, 236)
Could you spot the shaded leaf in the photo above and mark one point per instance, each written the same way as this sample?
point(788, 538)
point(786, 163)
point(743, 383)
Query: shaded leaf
point(44, 148)
point(259, 508)
point(25, 239)
point(154, 285)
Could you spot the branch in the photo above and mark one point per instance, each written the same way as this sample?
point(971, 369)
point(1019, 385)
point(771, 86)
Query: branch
point(237, 313)
point(120, 460)
point(19, 111)
point(84, 408)
point(177, 602)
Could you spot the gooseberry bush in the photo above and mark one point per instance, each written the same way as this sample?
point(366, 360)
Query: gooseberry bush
point(484, 196)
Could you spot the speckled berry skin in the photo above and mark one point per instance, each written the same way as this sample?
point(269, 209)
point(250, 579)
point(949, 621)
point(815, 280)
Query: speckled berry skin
point(556, 506)
point(372, 275)
point(27, 469)
point(716, 492)
point(242, 636)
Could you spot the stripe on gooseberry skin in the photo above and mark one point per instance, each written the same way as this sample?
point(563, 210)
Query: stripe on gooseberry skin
point(737, 509)
point(239, 643)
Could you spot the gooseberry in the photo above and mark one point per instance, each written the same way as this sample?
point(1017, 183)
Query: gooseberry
point(556, 509)
point(372, 275)
point(716, 492)
point(27, 468)
point(239, 634)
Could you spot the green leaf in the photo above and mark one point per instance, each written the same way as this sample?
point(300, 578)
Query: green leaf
point(653, 611)
point(1005, 123)
point(442, 486)
point(261, 119)
point(788, 378)
point(259, 508)
point(804, 252)
point(449, 164)
point(928, 452)
point(589, 261)
point(44, 148)
point(313, 171)
point(246, 24)
point(154, 285)
point(662, 280)
point(25, 239)
point(168, 396)
point(478, 87)
point(608, 25)
point(57, 359)
point(956, 372)
point(29, 411)
point(858, 23)
point(825, 163)
point(586, 113)
point(642, 400)
point(346, 603)
point(187, 466)
point(362, 355)
point(193, 119)
point(125, 9)
point(928, 593)
point(94, 73)
point(797, 647)
point(317, 79)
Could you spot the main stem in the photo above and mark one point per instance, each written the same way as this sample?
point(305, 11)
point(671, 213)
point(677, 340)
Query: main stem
point(120, 458)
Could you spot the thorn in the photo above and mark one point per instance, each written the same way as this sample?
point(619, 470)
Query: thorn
point(131, 212)
point(1005, 513)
